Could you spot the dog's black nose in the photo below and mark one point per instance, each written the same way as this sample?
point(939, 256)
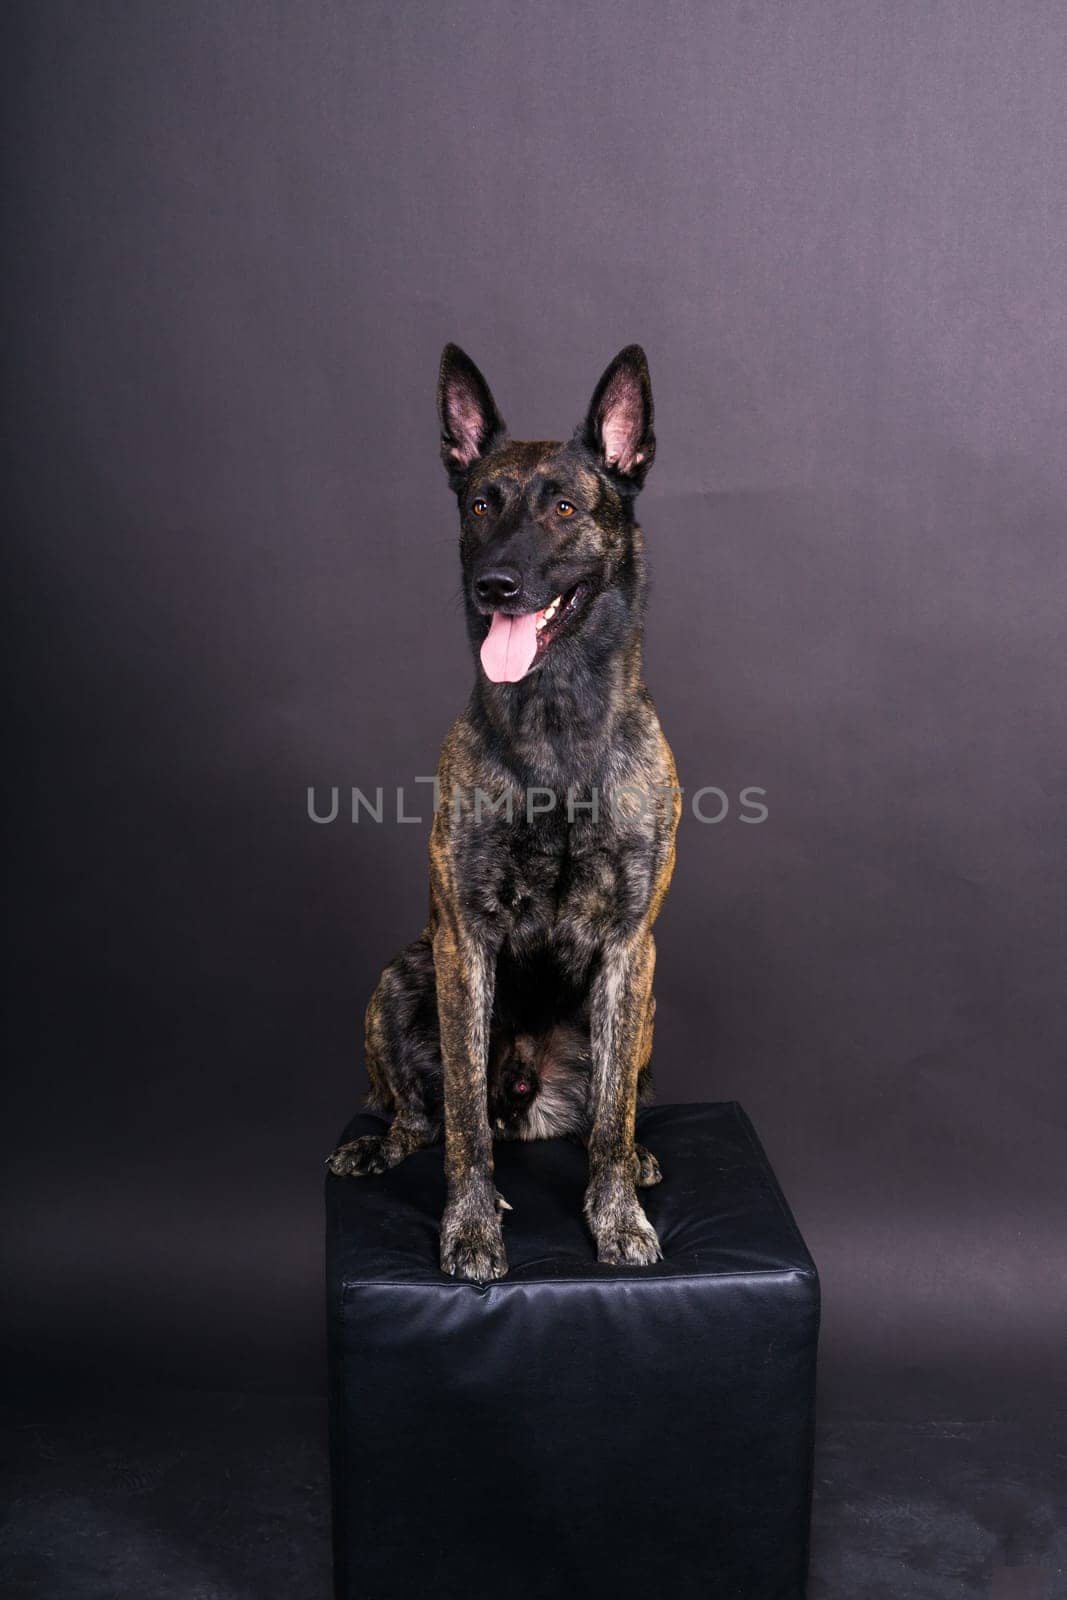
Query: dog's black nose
point(498, 585)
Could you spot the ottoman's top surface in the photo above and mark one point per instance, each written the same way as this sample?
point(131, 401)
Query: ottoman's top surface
point(719, 1210)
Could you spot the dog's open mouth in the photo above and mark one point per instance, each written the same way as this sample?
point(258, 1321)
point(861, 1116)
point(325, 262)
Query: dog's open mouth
point(514, 645)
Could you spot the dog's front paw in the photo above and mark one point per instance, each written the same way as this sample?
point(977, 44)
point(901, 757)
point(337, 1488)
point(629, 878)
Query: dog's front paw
point(624, 1236)
point(359, 1158)
point(630, 1243)
point(472, 1245)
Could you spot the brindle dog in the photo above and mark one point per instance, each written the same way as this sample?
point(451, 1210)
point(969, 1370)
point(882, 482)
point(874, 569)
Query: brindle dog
point(525, 1007)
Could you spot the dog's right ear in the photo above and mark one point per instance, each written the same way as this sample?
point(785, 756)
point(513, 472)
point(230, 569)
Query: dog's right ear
point(470, 421)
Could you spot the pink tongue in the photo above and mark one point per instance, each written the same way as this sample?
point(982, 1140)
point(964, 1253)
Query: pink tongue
point(510, 646)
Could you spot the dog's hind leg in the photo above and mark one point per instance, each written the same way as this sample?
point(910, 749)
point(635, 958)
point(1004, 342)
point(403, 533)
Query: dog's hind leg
point(403, 1055)
point(646, 1168)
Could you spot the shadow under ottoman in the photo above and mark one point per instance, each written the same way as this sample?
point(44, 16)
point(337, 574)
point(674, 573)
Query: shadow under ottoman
point(625, 1431)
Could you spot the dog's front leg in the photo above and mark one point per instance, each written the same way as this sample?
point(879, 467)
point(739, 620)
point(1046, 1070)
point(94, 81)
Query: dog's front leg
point(472, 1244)
point(620, 1007)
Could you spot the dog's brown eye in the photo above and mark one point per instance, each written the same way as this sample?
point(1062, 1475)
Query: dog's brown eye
point(564, 508)
point(479, 508)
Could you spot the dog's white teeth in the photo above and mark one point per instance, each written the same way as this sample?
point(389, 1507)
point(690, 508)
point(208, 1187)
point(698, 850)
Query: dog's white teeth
point(549, 612)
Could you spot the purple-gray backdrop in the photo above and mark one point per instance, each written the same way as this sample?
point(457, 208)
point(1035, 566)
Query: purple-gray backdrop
point(238, 236)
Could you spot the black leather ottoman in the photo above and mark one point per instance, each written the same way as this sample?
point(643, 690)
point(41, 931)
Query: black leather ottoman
point(574, 1429)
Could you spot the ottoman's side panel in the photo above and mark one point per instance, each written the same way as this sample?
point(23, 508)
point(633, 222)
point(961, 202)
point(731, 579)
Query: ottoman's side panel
point(427, 1491)
point(338, 1422)
point(617, 1435)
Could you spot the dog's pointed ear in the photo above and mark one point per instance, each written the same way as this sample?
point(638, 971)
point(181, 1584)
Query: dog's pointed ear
point(618, 426)
point(470, 421)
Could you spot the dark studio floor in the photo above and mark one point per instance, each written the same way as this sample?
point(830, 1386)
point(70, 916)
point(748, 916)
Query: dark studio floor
point(225, 1498)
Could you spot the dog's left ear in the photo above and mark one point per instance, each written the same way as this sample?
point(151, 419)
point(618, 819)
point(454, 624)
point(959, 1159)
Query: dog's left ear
point(618, 426)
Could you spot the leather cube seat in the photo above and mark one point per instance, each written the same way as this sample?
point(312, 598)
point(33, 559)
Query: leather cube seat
point(574, 1429)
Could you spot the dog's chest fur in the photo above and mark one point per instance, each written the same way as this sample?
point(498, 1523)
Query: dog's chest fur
point(568, 885)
